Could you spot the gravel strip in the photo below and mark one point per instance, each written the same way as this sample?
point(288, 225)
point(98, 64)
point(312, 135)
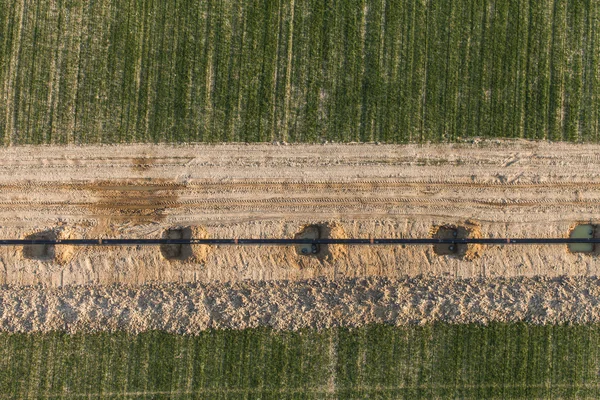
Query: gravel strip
point(287, 305)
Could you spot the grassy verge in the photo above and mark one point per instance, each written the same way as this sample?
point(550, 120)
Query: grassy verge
point(438, 361)
point(114, 71)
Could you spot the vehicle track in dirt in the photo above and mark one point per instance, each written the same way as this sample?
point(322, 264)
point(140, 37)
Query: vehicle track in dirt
point(503, 188)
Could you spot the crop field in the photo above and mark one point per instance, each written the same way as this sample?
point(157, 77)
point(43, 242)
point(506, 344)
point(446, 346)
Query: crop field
point(111, 71)
point(434, 361)
point(393, 71)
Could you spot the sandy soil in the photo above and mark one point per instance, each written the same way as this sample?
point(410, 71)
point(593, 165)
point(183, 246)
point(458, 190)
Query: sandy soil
point(487, 188)
point(319, 303)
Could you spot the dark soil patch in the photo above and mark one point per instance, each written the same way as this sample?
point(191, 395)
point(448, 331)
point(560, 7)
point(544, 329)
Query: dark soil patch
point(177, 251)
point(309, 232)
point(582, 231)
point(451, 232)
point(43, 252)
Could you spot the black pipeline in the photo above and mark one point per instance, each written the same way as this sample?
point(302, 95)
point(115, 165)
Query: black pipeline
point(288, 242)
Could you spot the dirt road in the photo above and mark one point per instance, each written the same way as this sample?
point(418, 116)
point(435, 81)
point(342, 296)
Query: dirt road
point(492, 188)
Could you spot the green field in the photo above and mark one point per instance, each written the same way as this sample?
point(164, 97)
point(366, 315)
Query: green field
point(75, 71)
point(115, 71)
point(438, 361)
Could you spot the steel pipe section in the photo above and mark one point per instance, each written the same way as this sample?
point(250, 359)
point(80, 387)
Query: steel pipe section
point(288, 242)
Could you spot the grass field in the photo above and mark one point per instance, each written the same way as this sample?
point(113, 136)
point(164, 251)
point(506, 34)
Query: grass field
point(75, 71)
point(439, 361)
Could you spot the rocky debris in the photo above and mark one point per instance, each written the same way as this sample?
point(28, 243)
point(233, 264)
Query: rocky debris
point(292, 305)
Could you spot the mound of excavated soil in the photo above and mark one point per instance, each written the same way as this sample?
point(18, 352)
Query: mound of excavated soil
point(190, 308)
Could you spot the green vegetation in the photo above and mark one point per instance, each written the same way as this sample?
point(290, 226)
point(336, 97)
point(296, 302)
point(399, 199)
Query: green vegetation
point(75, 71)
point(439, 361)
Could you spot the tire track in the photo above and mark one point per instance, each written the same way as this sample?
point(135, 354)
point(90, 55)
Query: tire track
point(296, 185)
point(142, 203)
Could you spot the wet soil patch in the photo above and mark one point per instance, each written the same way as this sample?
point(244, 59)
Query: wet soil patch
point(44, 252)
point(176, 252)
point(309, 232)
point(135, 200)
point(582, 231)
point(142, 163)
point(450, 232)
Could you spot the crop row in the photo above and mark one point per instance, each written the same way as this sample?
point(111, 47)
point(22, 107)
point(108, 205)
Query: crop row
point(346, 70)
point(432, 361)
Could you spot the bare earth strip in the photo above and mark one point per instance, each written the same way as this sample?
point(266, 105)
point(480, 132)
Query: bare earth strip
point(319, 303)
point(495, 189)
point(492, 188)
